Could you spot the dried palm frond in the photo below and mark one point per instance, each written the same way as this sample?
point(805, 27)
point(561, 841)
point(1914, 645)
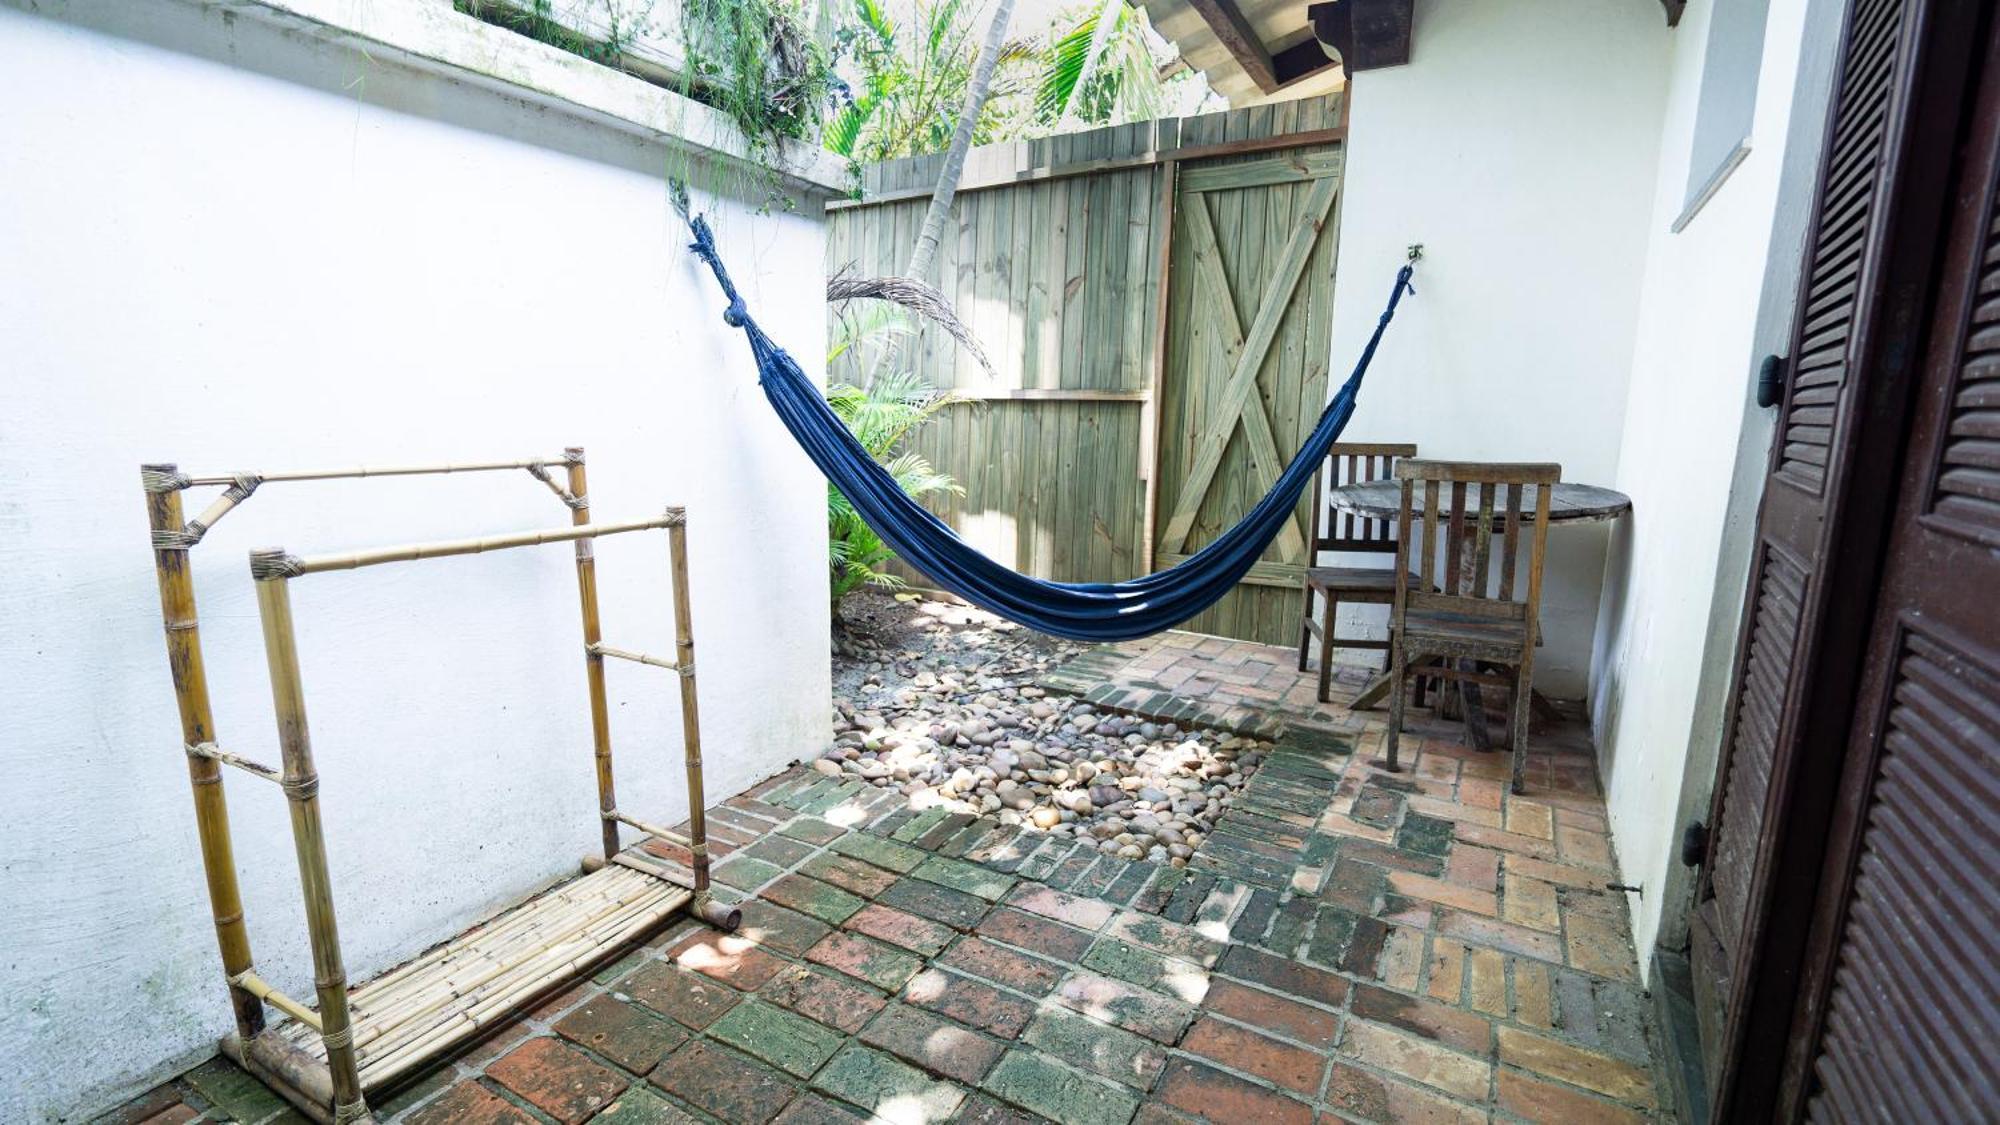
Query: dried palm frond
point(915, 296)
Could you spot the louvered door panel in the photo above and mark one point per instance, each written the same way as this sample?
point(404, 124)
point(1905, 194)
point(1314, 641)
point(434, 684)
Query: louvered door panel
point(1832, 348)
point(1967, 496)
point(1911, 1023)
point(1781, 580)
point(1850, 191)
point(1900, 1017)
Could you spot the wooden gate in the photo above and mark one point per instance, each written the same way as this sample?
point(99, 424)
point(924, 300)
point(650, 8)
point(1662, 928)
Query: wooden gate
point(1248, 316)
point(1070, 260)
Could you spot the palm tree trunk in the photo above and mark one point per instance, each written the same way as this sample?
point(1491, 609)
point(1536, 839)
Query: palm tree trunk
point(961, 142)
point(1100, 34)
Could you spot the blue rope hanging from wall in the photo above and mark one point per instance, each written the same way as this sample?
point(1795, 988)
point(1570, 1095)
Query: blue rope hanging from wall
point(1085, 611)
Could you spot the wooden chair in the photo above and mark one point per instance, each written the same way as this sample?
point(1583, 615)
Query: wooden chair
point(1449, 617)
point(1343, 531)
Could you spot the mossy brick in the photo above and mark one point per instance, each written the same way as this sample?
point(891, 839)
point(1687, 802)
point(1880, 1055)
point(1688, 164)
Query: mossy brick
point(864, 958)
point(941, 832)
point(1022, 972)
point(726, 1083)
point(745, 872)
point(687, 997)
point(832, 1000)
point(776, 850)
point(1425, 835)
point(873, 849)
point(1144, 1012)
point(827, 903)
point(1083, 1042)
point(812, 830)
point(617, 970)
point(1051, 853)
point(894, 1090)
point(813, 1109)
point(467, 1102)
point(1130, 963)
point(234, 1091)
point(1154, 897)
point(627, 1034)
point(969, 1001)
point(897, 927)
point(1332, 929)
point(1038, 1084)
point(919, 824)
point(791, 1043)
point(414, 1094)
point(939, 903)
point(640, 1105)
point(558, 1079)
point(933, 1042)
point(849, 874)
point(774, 927)
point(962, 876)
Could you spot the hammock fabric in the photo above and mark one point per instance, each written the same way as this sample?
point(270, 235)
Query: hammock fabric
point(1086, 611)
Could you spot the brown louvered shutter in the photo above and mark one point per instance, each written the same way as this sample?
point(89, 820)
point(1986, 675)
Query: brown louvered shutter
point(1910, 993)
point(1816, 417)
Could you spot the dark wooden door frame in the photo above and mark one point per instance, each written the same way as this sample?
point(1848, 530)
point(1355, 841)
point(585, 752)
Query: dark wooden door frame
point(1764, 1069)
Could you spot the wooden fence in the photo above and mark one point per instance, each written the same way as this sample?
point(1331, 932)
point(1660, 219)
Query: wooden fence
point(1119, 322)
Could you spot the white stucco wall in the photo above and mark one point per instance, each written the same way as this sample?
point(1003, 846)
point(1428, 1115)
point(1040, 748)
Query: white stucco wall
point(1518, 145)
point(238, 247)
point(1718, 296)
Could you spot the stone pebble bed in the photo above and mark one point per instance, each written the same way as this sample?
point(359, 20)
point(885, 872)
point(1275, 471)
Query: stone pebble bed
point(955, 735)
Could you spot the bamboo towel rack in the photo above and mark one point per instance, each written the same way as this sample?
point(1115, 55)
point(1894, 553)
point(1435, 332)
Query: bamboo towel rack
point(329, 1056)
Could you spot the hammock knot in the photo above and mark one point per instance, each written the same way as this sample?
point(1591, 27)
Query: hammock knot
point(735, 314)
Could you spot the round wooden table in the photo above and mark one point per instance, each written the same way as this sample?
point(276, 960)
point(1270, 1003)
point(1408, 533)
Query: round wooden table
point(1570, 504)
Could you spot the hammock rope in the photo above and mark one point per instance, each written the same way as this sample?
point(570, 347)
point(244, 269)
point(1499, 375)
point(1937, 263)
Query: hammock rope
point(1086, 611)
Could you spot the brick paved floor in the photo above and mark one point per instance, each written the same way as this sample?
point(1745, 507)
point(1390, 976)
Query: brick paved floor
point(1347, 945)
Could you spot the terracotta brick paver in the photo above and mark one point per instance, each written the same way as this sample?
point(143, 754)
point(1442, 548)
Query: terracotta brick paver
point(1347, 944)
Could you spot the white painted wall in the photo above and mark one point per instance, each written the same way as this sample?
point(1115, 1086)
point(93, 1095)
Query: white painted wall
point(1519, 147)
point(1718, 296)
point(236, 247)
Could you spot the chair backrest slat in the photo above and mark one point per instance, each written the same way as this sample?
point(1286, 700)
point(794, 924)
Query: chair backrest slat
point(1456, 494)
point(1354, 463)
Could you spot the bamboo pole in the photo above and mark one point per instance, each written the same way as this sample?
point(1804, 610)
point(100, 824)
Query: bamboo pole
point(705, 906)
point(262, 989)
point(292, 566)
point(593, 660)
point(381, 471)
point(301, 783)
point(211, 805)
point(655, 830)
point(634, 657)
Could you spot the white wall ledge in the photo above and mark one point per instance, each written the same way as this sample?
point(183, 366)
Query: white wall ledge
point(430, 35)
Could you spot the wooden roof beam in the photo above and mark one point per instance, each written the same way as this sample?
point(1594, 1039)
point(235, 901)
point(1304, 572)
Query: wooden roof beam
point(1226, 21)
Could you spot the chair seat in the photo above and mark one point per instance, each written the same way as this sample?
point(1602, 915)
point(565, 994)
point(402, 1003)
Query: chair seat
point(1437, 633)
point(1355, 578)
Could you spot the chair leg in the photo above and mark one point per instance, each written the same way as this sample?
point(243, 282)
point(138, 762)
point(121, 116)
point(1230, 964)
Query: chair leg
point(1399, 674)
point(1419, 681)
point(1305, 628)
point(1519, 725)
point(1326, 647)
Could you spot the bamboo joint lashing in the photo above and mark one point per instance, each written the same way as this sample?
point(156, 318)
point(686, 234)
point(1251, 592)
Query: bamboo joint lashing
point(163, 478)
point(274, 562)
point(254, 768)
point(541, 473)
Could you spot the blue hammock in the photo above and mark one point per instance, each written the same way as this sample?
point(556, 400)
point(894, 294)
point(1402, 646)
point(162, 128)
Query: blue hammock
point(1085, 611)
